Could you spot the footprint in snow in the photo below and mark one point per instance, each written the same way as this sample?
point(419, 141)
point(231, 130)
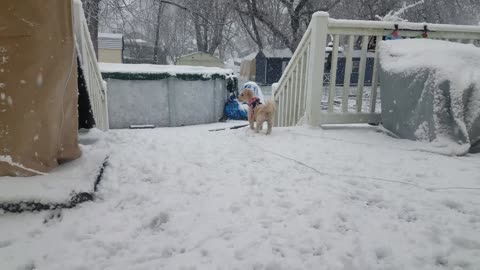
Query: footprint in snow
point(285, 204)
point(4, 244)
point(167, 253)
point(53, 216)
point(158, 221)
point(378, 201)
point(317, 224)
point(343, 224)
point(466, 243)
point(407, 214)
point(273, 266)
point(382, 253)
point(277, 251)
point(28, 266)
point(441, 261)
point(204, 253)
point(235, 207)
point(239, 255)
point(456, 206)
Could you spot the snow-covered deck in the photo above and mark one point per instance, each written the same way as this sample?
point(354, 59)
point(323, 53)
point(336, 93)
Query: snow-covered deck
point(187, 198)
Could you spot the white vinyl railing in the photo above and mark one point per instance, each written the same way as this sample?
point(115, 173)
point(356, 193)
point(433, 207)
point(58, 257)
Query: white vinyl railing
point(88, 60)
point(302, 86)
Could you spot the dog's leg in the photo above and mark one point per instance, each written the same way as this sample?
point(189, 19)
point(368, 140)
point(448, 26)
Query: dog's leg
point(251, 119)
point(259, 125)
point(269, 126)
point(260, 120)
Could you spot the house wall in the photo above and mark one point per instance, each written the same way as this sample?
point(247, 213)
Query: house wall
point(260, 71)
point(110, 55)
point(269, 70)
point(168, 102)
point(248, 70)
point(275, 69)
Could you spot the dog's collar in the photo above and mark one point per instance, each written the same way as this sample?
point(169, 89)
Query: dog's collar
point(253, 102)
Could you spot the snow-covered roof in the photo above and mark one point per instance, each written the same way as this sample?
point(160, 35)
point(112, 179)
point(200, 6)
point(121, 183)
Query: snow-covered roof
point(135, 40)
point(277, 53)
point(250, 57)
point(129, 42)
point(110, 35)
point(110, 41)
point(198, 53)
point(171, 69)
point(138, 40)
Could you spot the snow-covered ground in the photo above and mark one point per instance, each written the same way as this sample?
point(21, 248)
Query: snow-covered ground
point(187, 198)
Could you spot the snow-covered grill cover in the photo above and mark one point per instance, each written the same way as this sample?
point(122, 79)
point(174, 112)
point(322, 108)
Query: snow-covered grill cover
point(431, 92)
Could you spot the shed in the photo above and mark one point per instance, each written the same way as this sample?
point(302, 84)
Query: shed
point(138, 51)
point(110, 48)
point(200, 59)
point(248, 67)
point(270, 65)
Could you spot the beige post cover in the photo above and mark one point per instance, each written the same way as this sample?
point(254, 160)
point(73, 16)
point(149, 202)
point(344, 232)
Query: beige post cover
point(38, 87)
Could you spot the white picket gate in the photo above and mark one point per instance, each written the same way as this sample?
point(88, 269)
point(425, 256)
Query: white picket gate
point(88, 60)
point(300, 90)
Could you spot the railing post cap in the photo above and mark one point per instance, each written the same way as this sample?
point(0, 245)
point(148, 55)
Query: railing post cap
point(321, 14)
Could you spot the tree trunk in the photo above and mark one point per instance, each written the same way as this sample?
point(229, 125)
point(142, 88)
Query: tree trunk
point(157, 35)
point(205, 37)
point(254, 25)
point(198, 33)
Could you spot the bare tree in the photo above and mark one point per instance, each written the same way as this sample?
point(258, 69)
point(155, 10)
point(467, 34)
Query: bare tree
point(248, 21)
point(92, 10)
point(297, 13)
point(210, 19)
point(234, 27)
point(156, 47)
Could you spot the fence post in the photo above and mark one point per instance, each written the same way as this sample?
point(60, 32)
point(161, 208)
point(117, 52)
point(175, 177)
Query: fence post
point(316, 67)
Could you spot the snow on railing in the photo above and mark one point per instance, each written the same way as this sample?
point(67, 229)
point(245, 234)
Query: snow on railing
point(88, 60)
point(302, 86)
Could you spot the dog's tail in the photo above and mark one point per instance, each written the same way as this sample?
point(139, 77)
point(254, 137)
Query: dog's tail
point(270, 106)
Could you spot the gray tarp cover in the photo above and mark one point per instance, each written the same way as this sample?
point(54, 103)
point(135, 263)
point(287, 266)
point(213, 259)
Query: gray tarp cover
point(38, 87)
point(431, 92)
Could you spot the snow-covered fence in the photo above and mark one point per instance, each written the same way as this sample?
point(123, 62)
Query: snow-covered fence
point(301, 88)
point(88, 60)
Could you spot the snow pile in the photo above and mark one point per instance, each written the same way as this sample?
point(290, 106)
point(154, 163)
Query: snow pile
point(452, 61)
point(63, 182)
point(169, 69)
point(186, 198)
point(453, 78)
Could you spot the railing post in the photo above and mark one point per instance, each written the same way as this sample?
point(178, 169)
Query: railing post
point(316, 67)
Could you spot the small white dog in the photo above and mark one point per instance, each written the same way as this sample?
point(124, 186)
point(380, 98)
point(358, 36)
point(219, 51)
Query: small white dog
point(257, 111)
